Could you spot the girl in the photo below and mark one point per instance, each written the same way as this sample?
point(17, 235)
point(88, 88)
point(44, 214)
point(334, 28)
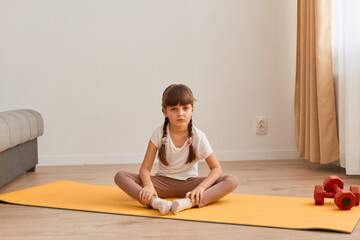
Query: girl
point(180, 146)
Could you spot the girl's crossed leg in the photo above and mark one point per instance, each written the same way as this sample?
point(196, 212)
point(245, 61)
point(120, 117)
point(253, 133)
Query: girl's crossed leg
point(166, 187)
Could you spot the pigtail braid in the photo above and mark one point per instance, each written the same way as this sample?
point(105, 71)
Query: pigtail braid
point(192, 155)
point(162, 150)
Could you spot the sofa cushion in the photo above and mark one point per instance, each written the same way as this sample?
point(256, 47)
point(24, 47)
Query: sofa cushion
point(19, 126)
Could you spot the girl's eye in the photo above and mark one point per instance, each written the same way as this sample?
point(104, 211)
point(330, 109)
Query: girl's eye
point(173, 109)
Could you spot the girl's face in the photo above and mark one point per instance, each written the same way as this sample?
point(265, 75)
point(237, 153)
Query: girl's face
point(180, 115)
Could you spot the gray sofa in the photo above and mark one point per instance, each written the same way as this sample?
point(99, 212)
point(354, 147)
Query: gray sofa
point(19, 130)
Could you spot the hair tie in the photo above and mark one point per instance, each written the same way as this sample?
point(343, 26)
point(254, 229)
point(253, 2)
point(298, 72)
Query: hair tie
point(189, 141)
point(164, 141)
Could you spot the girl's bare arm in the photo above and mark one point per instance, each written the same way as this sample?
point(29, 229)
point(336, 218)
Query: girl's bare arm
point(148, 190)
point(196, 195)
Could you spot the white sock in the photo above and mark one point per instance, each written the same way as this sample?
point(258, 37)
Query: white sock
point(180, 204)
point(163, 206)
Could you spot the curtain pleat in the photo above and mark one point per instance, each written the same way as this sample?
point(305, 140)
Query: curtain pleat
point(315, 114)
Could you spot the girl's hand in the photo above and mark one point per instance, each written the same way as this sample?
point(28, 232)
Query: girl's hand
point(146, 195)
point(196, 195)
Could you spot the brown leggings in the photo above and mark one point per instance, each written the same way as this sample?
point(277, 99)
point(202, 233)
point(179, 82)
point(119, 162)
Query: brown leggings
point(172, 188)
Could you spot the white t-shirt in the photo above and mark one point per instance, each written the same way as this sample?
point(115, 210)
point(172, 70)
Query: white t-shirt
point(176, 157)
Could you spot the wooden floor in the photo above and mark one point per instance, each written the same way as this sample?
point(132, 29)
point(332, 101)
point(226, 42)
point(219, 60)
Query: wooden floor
point(281, 178)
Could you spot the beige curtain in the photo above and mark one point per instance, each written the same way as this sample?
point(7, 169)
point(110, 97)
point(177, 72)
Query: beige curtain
point(315, 116)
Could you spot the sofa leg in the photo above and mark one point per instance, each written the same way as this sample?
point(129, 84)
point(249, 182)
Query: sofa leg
point(33, 169)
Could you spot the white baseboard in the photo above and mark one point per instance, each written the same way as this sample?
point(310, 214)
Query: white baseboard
point(257, 155)
point(57, 160)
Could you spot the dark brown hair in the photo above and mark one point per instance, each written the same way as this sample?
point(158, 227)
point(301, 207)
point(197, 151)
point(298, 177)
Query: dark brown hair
point(177, 94)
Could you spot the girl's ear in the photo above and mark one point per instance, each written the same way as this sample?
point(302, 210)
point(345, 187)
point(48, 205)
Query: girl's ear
point(164, 111)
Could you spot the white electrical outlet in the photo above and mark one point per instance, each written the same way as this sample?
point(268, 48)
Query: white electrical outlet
point(261, 125)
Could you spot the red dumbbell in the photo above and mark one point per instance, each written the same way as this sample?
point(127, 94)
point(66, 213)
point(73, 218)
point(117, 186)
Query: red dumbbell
point(333, 188)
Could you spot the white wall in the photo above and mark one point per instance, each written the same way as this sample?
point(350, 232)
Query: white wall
point(96, 71)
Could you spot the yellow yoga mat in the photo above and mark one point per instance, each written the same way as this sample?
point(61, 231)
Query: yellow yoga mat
point(256, 210)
